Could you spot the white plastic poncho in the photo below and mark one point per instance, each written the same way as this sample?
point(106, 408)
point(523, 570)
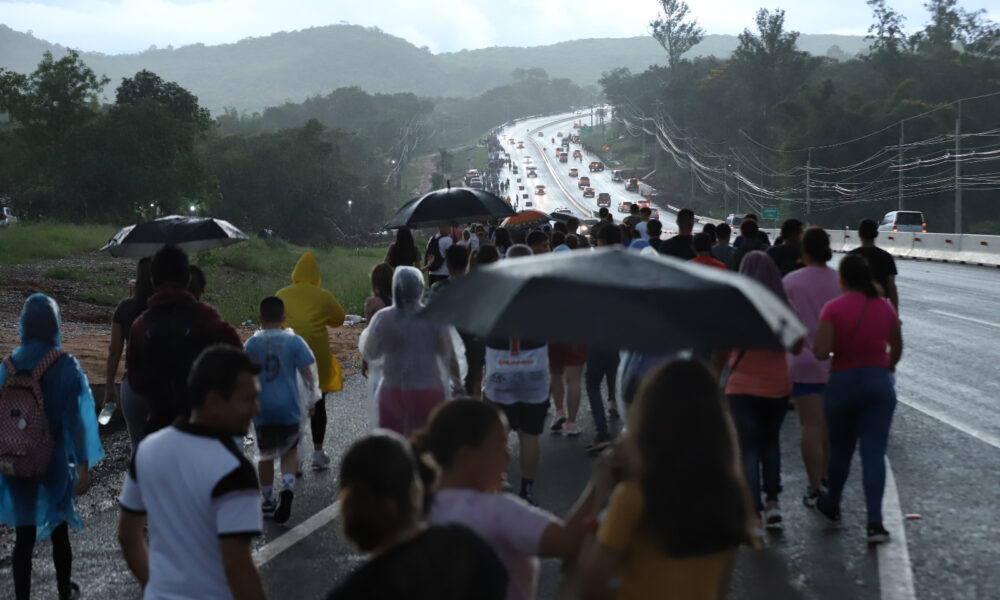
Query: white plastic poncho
point(407, 354)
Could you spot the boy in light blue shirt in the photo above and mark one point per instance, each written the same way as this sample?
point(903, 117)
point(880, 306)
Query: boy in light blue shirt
point(288, 390)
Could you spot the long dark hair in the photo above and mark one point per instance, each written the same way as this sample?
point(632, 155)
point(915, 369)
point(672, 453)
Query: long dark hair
point(501, 239)
point(143, 282)
point(696, 499)
point(484, 255)
point(403, 251)
point(857, 275)
point(456, 424)
point(376, 476)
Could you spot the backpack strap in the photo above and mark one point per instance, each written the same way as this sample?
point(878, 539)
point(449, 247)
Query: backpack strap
point(46, 362)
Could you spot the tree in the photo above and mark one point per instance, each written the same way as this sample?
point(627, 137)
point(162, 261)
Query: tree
point(675, 31)
point(181, 104)
point(952, 28)
point(886, 33)
point(443, 160)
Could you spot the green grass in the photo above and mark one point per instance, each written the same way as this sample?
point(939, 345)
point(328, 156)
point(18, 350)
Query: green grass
point(68, 273)
point(240, 276)
point(33, 242)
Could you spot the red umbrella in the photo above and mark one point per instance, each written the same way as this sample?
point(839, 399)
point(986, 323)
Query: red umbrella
point(526, 219)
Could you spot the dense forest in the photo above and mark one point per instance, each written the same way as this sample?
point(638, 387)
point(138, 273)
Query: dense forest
point(293, 66)
point(827, 140)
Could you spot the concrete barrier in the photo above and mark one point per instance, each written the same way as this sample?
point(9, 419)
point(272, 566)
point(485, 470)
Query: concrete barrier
point(851, 241)
point(895, 243)
point(979, 250)
point(935, 246)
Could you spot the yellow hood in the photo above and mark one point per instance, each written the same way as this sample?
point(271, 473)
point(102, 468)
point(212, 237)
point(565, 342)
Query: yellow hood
point(307, 270)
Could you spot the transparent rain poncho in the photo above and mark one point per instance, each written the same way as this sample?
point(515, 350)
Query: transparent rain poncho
point(413, 363)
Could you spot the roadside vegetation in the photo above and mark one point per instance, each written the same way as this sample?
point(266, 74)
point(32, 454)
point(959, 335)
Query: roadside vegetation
point(34, 242)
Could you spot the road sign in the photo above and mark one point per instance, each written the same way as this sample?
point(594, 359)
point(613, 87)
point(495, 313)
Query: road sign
point(770, 213)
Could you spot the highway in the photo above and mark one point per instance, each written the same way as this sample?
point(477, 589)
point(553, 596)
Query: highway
point(944, 454)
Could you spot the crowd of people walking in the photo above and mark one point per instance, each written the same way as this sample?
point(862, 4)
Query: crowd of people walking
point(426, 493)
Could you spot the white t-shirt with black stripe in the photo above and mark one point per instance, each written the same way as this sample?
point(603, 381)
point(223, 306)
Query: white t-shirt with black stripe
point(195, 486)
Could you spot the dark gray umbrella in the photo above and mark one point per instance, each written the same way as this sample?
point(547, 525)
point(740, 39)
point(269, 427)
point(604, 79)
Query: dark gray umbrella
point(615, 298)
point(449, 206)
point(191, 234)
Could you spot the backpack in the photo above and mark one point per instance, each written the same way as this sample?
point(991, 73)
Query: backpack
point(170, 345)
point(434, 251)
point(26, 443)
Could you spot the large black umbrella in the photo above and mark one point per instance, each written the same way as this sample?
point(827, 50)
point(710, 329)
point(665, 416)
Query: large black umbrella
point(615, 298)
point(191, 234)
point(449, 206)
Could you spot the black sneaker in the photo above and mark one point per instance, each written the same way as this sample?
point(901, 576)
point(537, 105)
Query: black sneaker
point(877, 534)
point(268, 506)
point(828, 508)
point(284, 509)
point(72, 594)
point(528, 494)
point(600, 443)
point(810, 498)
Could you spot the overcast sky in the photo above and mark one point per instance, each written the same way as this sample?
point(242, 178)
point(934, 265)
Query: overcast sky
point(117, 26)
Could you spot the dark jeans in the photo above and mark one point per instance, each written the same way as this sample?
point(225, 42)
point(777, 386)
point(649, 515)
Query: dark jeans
point(758, 425)
point(62, 556)
point(318, 422)
point(858, 405)
point(601, 364)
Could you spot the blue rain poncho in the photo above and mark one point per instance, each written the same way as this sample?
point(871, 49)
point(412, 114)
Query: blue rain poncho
point(48, 502)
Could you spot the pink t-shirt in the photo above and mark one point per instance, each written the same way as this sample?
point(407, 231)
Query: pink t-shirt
point(808, 289)
point(869, 347)
point(510, 525)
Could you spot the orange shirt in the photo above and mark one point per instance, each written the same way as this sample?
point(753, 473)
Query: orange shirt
point(762, 373)
point(708, 260)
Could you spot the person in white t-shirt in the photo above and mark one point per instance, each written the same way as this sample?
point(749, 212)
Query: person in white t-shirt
point(468, 441)
point(197, 491)
point(434, 263)
point(644, 214)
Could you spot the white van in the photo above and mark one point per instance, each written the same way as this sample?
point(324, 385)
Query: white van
point(904, 220)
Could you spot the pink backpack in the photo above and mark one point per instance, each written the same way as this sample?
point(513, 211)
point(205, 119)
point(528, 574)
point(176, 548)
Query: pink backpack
point(25, 441)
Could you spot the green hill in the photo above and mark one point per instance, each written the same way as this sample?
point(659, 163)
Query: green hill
point(291, 66)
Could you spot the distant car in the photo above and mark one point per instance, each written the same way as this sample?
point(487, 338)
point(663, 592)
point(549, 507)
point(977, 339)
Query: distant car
point(520, 145)
point(527, 203)
point(586, 225)
point(540, 134)
point(583, 182)
point(574, 172)
point(654, 214)
point(577, 154)
point(539, 190)
point(904, 220)
point(563, 209)
point(564, 157)
point(558, 134)
point(632, 185)
point(624, 207)
point(588, 193)
point(532, 173)
point(515, 169)
point(7, 217)
point(527, 160)
point(642, 203)
point(604, 199)
point(596, 166)
point(734, 220)
point(616, 176)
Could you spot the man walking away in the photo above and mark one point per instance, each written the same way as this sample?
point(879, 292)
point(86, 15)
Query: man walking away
point(702, 247)
point(197, 490)
point(654, 229)
point(882, 264)
point(640, 227)
point(680, 244)
point(633, 216)
point(434, 261)
point(723, 251)
point(788, 253)
point(751, 235)
point(165, 340)
point(285, 358)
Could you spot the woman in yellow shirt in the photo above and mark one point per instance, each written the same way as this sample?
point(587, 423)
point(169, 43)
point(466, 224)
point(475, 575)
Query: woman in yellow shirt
point(674, 522)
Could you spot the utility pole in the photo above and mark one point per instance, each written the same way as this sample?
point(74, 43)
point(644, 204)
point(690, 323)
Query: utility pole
point(902, 129)
point(808, 182)
point(958, 170)
point(725, 188)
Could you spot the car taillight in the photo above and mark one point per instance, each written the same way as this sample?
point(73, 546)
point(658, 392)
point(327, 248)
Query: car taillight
point(895, 229)
point(925, 227)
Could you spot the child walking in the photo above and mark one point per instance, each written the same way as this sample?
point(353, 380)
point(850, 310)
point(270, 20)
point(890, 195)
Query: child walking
point(284, 398)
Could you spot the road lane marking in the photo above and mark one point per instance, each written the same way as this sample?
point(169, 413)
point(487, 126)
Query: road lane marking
point(964, 318)
point(895, 574)
point(980, 434)
point(295, 535)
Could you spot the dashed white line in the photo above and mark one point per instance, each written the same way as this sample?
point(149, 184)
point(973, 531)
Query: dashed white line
point(295, 535)
point(895, 574)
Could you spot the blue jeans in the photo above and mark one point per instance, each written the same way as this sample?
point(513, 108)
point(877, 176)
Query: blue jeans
point(758, 426)
point(600, 364)
point(858, 405)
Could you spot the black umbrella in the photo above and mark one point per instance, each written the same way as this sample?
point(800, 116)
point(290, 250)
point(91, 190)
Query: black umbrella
point(449, 206)
point(615, 298)
point(191, 234)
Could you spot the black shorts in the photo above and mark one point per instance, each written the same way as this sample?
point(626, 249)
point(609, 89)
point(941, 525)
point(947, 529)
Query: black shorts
point(275, 437)
point(522, 416)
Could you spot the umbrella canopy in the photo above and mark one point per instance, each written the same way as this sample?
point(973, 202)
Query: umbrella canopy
point(191, 234)
point(525, 219)
point(613, 298)
point(449, 206)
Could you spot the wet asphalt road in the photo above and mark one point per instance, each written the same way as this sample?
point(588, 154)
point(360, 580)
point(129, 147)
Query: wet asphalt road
point(944, 452)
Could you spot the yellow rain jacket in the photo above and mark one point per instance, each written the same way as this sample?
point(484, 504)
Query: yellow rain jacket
point(309, 310)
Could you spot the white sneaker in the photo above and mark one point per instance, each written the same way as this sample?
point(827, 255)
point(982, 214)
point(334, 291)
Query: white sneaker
point(320, 461)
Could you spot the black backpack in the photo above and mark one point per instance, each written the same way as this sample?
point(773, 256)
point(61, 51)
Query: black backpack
point(434, 251)
point(170, 345)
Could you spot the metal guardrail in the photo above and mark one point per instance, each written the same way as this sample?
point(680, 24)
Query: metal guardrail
point(968, 249)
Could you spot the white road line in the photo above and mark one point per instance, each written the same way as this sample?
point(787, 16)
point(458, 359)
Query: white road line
point(295, 535)
point(895, 574)
point(964, 318)
point(980, 434)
